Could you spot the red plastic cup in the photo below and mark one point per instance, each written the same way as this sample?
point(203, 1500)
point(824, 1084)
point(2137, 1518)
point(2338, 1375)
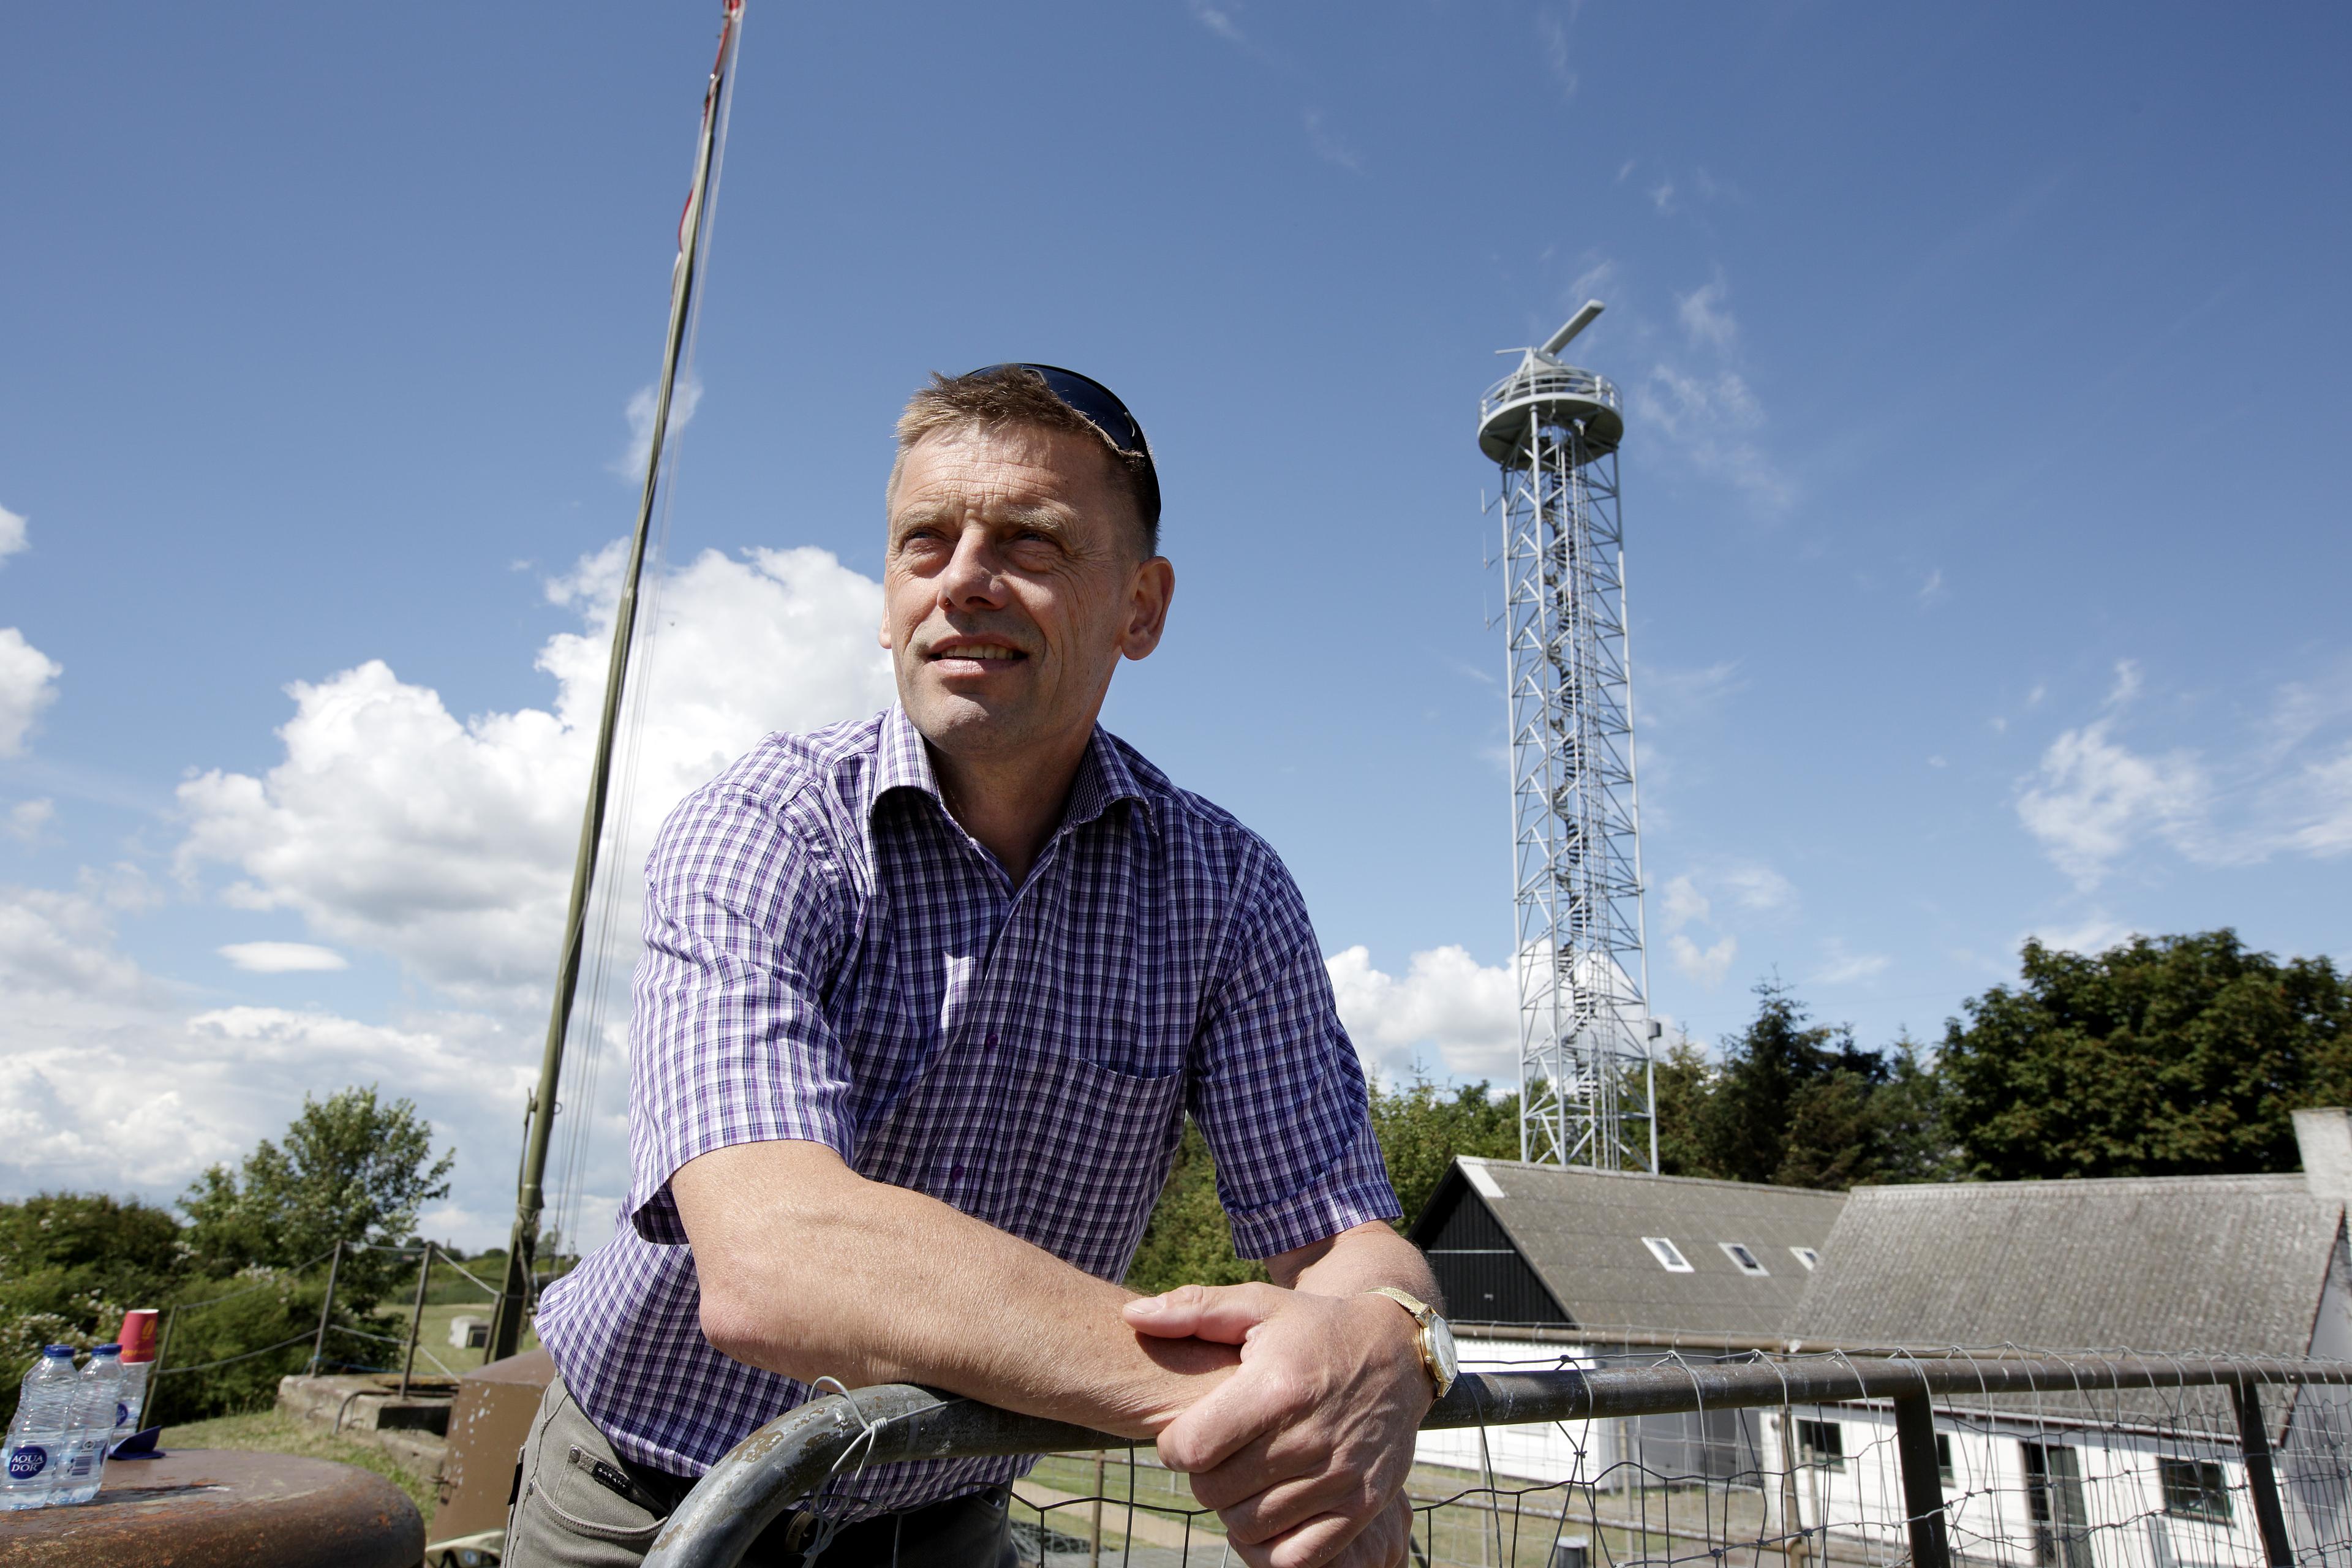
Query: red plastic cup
point(138, 1335)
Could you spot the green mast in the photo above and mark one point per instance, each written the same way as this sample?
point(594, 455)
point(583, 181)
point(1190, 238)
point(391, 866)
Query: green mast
point(515, 1296)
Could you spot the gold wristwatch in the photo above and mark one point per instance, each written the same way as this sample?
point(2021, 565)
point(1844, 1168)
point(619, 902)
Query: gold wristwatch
point(1435, 1341)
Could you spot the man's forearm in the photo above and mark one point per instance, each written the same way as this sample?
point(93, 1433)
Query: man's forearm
point(1363, 1258)
point(808, 1269)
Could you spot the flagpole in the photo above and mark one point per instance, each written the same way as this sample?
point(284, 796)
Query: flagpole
point(515, 1295)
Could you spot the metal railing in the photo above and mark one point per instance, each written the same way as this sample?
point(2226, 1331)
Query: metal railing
point(2120, 1461)
point(1543, 379)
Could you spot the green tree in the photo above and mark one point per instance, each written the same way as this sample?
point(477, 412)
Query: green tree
point(1914, 1139)
point(1188, 1240)
point(352, 1168)
point(70, 1265)
point(1790, 1103)
point(1420, 1128)
point(2166, 1055)
point(1682, 1080)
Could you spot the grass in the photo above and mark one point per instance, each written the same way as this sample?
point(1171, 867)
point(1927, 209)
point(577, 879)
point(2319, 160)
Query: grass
point(435, 1356)
point(268, 1432)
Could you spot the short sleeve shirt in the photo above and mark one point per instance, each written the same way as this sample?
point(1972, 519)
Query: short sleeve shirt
point(830, 957)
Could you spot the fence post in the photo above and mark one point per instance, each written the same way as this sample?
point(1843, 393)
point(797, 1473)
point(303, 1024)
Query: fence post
point(1795, 1551)
point(318, 1346)
point(1094, 1551)
point(155, 1373)
point(1923, 1484)
point(2261, 1477)
point(416, 1318)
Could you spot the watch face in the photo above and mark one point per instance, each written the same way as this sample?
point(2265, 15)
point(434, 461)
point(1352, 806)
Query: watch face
point(1440, 1351)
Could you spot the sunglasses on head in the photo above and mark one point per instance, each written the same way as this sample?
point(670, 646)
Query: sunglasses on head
point(1101, 408)
point(1097, 403)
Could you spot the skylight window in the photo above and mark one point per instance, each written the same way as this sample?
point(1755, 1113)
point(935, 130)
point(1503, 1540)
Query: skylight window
point(1670, 1256)
point(1809, 1257)
point(1744, 1259)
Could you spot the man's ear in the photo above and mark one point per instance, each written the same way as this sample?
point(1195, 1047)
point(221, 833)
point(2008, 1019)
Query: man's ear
point(1149, 595)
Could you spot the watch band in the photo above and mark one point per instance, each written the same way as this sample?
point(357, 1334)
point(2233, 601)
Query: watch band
point(1421, 1311)
point(1427, 1326)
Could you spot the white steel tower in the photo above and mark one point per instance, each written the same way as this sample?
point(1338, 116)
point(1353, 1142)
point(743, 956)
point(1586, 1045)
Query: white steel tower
point(1587, 1091)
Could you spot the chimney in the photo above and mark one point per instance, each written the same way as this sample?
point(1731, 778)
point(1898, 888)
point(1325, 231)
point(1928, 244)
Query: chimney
point(2324, 1138)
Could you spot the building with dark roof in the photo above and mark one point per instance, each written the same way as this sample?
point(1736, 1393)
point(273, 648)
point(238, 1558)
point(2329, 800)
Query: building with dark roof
point(2228, 1264)
point(1522, 1246)
point(1567, 1266)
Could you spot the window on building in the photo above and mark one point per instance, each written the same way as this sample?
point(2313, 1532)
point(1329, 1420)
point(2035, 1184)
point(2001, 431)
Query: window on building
point(2194, 1489)
point(1820, 1444)
point(1670, 1256)
point(1743, 1258)
point(1809, 1257)
point(1943, 1458)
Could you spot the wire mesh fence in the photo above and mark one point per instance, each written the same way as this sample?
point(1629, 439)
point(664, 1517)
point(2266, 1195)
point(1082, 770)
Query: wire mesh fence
point(1628, 1456)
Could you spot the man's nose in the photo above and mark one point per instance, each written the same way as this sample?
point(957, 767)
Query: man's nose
point(972, 578)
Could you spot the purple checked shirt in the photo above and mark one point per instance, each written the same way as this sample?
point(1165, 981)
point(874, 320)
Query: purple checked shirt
point(830, 957)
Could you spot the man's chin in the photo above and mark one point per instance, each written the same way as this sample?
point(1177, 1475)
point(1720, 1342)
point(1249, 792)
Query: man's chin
point(964, 721)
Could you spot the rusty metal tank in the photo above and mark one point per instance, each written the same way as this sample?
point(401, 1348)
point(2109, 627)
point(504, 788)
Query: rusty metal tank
point(487, 1428)
point(202, 1508)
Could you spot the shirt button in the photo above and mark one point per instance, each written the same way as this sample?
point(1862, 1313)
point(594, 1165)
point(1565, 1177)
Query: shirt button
point(991, 1040)
point(956, 1174)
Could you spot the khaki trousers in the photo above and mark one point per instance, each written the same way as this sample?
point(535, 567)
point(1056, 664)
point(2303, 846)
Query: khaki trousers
point(578, 1504)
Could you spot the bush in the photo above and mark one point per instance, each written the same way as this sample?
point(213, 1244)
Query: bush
point(70, 1264)
point(233, 1338)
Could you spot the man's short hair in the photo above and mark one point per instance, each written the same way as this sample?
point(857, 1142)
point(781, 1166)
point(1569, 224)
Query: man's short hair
point(1006, 395)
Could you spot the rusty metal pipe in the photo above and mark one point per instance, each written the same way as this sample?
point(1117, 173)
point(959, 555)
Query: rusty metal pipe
point(791, 1457)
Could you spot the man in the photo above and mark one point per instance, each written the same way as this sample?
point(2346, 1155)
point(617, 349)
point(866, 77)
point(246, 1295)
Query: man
point(924, 1001)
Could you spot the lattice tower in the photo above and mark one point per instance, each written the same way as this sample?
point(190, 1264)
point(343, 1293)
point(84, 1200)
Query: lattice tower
point(1587, 1087)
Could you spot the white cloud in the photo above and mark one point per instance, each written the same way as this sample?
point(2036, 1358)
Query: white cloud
point(1841, 966)
point(1447, 999)
point(2093, 798)
point(1552, 33)
point(390, 824)
point(1706, 320)
point(631, 464)
point(1218, 19)
point(393, 826)
point(12, 532)
point(1759, 888)
point(2095, 932)
point(26, 819)
point(1328, 144)
point(1661, 196)
point(115, 1083)
point(282, 957)
point(1684, 904)
point(28, 685)
point(1711, 420)
point(1932, 590)
point(2326, 789)
point(1706, 966)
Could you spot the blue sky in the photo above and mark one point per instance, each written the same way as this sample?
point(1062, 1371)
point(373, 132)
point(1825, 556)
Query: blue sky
point(1983, 498)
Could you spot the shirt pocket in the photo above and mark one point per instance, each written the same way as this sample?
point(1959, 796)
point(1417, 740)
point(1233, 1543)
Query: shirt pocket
point(1084, 1150)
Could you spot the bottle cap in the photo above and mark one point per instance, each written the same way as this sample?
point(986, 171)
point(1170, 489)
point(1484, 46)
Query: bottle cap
point(106, 1350)
point(138, 1335)
point(65, 1351)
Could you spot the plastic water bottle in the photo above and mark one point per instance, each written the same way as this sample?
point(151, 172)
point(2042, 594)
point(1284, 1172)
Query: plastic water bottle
point(93, 1426)
point(138, 1342)
point(37, 1437)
